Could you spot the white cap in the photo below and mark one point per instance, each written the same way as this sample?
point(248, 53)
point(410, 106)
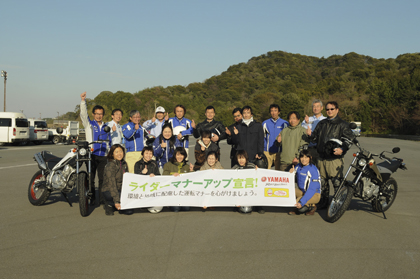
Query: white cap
point(160, 109)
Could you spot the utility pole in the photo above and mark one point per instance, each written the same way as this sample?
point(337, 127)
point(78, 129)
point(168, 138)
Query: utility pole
point(4, 74)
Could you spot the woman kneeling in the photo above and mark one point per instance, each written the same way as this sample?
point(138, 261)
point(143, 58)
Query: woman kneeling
point(308, 180)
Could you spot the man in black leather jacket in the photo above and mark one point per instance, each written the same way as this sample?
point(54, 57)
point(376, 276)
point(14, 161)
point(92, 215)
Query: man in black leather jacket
point(216, 128)
point(331, 153)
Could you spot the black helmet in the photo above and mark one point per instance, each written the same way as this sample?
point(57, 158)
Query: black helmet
point(331, 145)
point(262, 163)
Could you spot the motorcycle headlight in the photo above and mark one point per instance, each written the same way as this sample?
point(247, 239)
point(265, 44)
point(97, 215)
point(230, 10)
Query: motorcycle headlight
point(362, 162)
point(82, 151)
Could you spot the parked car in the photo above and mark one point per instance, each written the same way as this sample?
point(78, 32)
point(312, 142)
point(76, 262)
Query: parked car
point(38, 130)
point(14, 128)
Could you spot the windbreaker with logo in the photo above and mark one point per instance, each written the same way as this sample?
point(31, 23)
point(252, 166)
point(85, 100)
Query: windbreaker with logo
point(272, 129)
point(94, 131)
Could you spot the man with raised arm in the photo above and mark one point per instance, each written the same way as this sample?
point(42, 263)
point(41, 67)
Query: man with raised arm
point(94, 130)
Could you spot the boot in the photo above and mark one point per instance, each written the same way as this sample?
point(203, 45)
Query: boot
point(109, 209)
point(311, 211)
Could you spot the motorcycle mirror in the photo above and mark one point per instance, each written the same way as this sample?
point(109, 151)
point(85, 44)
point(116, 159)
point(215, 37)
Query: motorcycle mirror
point(396, 150)
point(59, 130)
point(353, 125)
point(107, 129)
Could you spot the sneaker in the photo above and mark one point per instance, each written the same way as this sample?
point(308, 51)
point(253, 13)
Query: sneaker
point(303, 209)
point(128, 212)
point(260, 209)
point(311, 211)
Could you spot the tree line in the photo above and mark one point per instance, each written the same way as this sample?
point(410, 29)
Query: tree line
point(384, 94)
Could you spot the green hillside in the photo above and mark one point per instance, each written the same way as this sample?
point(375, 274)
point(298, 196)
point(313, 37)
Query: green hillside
point(382, 93)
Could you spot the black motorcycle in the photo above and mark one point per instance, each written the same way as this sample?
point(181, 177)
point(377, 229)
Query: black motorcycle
point(372, 182)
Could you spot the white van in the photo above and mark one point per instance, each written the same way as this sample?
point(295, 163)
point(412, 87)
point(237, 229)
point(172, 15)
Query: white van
point(14, 128)
point(38, 130)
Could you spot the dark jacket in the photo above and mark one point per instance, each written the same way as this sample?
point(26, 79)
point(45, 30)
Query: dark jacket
point(250, 138)
point(327, 129)
point(113, 177)
point(230, 141)
point(200, 156)
point(216, 127)
point(152, 167)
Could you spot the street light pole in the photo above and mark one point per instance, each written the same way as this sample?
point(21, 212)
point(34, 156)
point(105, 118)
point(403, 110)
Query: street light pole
point(4, 74)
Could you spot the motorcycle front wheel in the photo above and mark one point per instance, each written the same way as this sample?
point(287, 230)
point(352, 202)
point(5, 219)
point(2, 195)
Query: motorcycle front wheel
point(389, 193)
point(38, 193)
point(83, 191)
point(339, 203)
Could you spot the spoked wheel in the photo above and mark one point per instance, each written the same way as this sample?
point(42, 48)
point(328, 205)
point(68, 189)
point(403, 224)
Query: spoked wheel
point(38, 193)
point(339, 203)
point(83, 191)
point(388, 196)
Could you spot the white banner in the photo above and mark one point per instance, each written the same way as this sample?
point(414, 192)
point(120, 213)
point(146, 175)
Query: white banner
point(248, 187)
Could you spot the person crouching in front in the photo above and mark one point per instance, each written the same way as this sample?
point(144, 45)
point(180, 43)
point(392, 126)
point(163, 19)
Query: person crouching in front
point(308, 191)
point(243, 163)
point(177, 165)
point(147, 166)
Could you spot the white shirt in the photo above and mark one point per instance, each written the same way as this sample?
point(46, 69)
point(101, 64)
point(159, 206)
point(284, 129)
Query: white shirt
point(116, 137)
point(313, 121)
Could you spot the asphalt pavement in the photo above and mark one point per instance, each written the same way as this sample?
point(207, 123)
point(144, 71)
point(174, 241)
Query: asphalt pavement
point(54, 241)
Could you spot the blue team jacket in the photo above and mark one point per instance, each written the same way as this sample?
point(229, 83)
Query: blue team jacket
point(271, 130)
point(308, 181)
point(134, 139)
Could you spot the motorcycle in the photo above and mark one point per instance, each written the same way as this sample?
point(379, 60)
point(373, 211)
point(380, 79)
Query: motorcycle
point(64, 174)
point(372, 182)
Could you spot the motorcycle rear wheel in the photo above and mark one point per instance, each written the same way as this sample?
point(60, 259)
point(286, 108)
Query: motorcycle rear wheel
point(339, 203)
point(38, 194)
point(83, 191)
point(388, 196)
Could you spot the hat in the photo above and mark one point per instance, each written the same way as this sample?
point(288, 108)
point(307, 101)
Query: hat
point(160, 109)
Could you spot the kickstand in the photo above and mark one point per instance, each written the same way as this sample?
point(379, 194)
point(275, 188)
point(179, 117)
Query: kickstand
point(382, 209)
point(67, 199)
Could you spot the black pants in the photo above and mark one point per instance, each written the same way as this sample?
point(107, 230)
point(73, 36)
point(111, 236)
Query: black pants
point(108, 198)
point(98, 164)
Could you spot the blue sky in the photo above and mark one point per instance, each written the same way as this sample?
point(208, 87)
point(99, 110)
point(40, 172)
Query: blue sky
point(55, 50)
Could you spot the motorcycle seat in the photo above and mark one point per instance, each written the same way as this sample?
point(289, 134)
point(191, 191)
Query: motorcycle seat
point(392, 167)
point(51, 160)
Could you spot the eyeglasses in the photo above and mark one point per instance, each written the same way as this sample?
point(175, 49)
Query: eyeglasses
point(330, 109)
point(98, 114)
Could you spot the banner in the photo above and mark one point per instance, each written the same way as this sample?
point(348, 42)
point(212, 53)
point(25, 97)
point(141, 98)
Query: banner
point(248, 187)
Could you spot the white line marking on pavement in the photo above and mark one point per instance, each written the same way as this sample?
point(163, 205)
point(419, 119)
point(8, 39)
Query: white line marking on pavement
point(33, 164)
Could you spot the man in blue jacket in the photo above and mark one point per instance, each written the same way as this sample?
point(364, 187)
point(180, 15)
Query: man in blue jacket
point(94, 130)
point(272, 128)
point(135, 139)
point(184, 125)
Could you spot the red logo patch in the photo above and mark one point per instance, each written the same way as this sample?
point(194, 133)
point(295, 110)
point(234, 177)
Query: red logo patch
point(263, 179)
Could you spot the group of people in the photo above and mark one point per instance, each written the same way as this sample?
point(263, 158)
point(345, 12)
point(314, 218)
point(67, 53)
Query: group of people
point(160, 147)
